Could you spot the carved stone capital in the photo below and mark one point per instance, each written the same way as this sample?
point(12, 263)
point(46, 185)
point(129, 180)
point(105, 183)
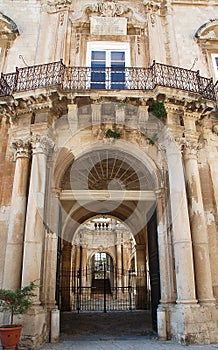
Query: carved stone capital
point(22, 148)
point(41, 144)
point(189, 147)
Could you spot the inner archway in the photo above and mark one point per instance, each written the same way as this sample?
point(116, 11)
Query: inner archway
point(108, 250)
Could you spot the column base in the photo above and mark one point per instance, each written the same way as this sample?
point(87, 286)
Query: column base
point(191, 301)
point(36, 329)
point(209, 301)
point(191, 323)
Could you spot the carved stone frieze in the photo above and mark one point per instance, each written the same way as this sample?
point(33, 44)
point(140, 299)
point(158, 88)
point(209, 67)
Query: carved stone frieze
point(108, 8)
point(59, 3)
point(53, 6)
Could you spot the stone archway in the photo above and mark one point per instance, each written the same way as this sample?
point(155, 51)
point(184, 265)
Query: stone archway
point(109, 182)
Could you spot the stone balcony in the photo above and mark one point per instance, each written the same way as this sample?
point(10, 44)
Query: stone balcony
point(85, 79)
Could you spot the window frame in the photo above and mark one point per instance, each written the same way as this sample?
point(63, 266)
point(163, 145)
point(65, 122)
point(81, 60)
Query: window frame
point(214, 57)
point(107, 47)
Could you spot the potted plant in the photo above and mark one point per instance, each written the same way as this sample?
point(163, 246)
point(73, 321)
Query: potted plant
point(15, 302)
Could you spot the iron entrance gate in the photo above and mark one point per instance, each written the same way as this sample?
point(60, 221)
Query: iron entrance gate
point(105, 290)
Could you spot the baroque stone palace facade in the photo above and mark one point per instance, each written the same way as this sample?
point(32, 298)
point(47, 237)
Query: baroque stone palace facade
point(109, 162)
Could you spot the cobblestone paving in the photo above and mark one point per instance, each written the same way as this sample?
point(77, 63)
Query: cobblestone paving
point(113, 331)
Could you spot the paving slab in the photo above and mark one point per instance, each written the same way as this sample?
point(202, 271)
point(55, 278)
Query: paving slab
point(123, 344)
point(113, 331)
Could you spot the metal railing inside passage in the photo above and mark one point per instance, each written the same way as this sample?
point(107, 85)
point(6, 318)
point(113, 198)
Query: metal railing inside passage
point(105, 78)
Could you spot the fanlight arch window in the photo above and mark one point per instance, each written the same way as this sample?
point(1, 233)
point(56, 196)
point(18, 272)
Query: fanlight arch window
point(207, 38)
point(8, 33)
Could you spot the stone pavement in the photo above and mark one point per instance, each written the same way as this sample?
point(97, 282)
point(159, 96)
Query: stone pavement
point(113, 331)
point(126, 343)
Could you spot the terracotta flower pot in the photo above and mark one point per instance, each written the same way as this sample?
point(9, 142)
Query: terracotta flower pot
point(10, 336)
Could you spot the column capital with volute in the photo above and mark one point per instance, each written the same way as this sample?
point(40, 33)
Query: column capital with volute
point(21, 148)
point(41, 144)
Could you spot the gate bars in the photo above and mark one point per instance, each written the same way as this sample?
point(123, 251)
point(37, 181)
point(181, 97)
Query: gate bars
point(110, 290)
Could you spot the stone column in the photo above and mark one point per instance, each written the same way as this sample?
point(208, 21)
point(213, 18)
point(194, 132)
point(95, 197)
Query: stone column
point(96, 119)
point(14, 250)
point(182, 243)
point(96, 113)
point(198, 224)
point(77, 258)
point(212, 161)
point(52, 221)
point(73, 117)
point(119, 261)
point(83, 265)
point(143, 294)
point(34, 230)
point(165, 252)
point(66, 278)
point(50, 269)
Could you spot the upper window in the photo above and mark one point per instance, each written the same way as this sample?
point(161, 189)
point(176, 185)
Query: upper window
point(207, 38)
point(8, 33)
point(215, 64)
point(108, 62)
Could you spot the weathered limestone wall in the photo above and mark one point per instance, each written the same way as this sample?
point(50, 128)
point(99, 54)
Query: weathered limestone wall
point(165, 34)
point(193, 324)
point(187, 19)
point(26, 15)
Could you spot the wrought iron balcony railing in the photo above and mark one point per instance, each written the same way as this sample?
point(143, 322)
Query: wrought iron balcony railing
point(85, 78)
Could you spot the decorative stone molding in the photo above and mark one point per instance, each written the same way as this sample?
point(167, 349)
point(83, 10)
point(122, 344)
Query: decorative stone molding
point(59, 4)
point(8, 29)
point(22, 148)
point(189, 146)
point(215, 129)
point(208, 32)
point(41, 144)
point(151, 8)
point(108, 8)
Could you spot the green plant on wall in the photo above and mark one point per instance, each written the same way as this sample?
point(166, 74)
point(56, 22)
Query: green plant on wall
point(159, 111)
point(112, 134)
point(153, 139)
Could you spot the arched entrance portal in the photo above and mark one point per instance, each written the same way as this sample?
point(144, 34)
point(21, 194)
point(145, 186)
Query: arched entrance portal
point(109, 255)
